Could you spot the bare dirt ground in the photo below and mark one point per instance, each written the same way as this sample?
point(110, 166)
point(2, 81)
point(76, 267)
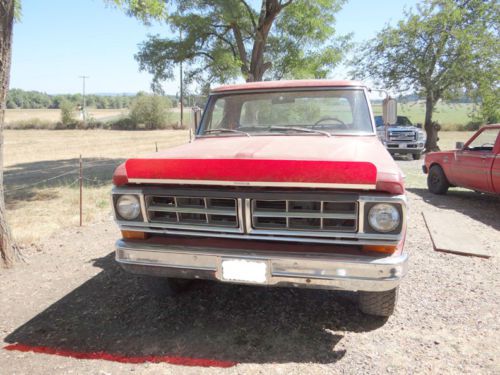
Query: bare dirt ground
point(70, 294)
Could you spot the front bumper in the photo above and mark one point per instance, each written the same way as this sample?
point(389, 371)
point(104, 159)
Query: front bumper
point(322, 271)
point(406, 147)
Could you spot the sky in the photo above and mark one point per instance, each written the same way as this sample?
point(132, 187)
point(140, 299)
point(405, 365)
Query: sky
point(57, 41)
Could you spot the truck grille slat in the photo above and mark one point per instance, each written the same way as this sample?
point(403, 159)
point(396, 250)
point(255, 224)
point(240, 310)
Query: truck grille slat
point(304, 215)
point(402, 135)
point(310, 215)
point(210, 211)
point(192, 211)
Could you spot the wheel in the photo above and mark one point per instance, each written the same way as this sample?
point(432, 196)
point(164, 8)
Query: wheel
point(378, 303)
point(437, 181)
point(162, 287)
point(416, 156)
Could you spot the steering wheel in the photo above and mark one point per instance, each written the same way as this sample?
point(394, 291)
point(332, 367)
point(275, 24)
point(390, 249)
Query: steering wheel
point(340, 122)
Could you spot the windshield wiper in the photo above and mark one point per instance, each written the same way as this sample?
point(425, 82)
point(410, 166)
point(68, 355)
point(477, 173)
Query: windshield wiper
point(303, 130)
point(226, 131)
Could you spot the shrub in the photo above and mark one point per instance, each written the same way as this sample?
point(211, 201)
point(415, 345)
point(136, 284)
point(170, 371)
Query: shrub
point(125, 123)
point(151, 110)
point(34, 123)
point(67, 113)
point(473, 125)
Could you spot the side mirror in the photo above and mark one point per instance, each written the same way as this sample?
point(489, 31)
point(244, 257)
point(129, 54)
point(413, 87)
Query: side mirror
point(419, 125)
point(389, 111)
point(195, 122)
point(459, 145)
point(196, 118)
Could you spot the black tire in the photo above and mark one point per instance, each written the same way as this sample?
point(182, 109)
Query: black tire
point(378, 303)
point(416, 156)
point(437, 183)
point(162, 287)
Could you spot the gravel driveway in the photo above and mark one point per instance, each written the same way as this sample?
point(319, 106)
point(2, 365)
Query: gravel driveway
point(72, 295)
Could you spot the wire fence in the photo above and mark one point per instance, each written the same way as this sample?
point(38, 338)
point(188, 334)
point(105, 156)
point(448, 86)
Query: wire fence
point(44, 170)
point(27, 186)
point(74, 171)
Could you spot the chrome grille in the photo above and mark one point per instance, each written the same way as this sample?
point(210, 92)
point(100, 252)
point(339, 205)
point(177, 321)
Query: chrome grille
point(304, 215)
point(192, 211)
point(402, 135)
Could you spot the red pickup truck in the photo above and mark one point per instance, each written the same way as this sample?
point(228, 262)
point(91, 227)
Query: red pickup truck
point(474, 165)
point(285, 184)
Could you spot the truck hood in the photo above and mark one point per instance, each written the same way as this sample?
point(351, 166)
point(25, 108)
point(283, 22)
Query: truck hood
point(348, 162)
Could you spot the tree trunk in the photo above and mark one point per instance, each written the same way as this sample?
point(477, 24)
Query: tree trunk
point(430, 128)
point(6, 29)
point(269, 11)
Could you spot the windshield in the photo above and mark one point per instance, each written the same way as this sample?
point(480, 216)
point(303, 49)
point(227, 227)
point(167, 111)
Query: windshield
point(401, 121)
point(314, 112)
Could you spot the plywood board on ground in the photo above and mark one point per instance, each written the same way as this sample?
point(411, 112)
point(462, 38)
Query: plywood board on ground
point(451, 232)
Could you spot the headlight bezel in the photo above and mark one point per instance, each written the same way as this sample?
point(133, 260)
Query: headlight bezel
point(119, 215)
point(421, 136)
point(367, 225)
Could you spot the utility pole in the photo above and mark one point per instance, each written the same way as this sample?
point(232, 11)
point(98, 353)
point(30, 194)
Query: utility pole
point(182, 88)
point(84, 115)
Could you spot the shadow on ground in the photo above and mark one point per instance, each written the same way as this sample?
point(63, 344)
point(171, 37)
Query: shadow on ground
point(114, 313)
point(23, 181)
point(480, 207)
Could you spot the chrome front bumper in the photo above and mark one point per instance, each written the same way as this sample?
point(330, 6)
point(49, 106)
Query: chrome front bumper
point(322, 271)
point(409, 147)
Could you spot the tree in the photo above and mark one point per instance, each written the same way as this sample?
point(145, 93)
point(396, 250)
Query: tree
point(150, 110)
point(442, 49)
point(221, 40)
point(8, 8)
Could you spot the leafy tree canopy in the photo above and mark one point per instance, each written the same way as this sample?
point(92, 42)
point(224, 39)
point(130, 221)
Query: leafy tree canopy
point(226, 39)
point(440, 50)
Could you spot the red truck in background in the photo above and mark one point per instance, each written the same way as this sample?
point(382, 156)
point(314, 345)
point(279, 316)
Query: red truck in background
point(474, 165)
point(285, 184)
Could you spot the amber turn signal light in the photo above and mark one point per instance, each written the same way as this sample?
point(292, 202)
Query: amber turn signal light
point(133, 235)
point(380, 248)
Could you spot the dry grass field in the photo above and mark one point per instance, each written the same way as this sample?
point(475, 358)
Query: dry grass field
point(54, 115)
point(41, 170)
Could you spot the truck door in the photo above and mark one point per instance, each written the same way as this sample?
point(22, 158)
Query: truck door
point(495, 170)
point(472, 166)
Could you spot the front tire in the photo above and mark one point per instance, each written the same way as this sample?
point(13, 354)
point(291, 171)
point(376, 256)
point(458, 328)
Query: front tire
point(378, 303)
point(416, 156)
point(437, 183)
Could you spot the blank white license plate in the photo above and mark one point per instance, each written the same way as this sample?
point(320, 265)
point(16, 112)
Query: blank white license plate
point(242, 270)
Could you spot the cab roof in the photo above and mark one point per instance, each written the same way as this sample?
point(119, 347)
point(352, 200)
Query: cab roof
point(287, 84)
point(491, 126)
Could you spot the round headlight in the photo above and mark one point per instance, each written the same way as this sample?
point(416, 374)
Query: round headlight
point(384, 217)
point(128, 207)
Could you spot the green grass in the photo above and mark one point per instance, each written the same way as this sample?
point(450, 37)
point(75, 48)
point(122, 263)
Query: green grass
point(449, 115)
